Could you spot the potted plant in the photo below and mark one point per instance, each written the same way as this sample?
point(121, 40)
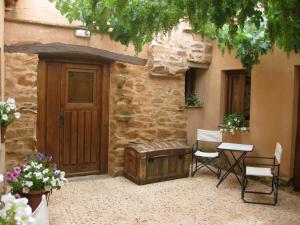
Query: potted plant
point(234, 122)
point(193, 100)
point(37, 177)
point(8, 115)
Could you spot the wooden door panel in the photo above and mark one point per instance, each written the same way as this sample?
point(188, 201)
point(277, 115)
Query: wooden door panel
point(87, 136)
point(53, 109)
point(81, 137)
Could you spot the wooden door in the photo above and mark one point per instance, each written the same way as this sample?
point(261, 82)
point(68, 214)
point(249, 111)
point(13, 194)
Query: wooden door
point(72, 117)
point(80, 118)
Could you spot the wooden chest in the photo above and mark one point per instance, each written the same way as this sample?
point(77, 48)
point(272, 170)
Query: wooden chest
point(157, 161)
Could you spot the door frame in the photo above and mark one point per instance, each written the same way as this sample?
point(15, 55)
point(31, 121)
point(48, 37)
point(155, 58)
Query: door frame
point(296, 130)
point(104, 112)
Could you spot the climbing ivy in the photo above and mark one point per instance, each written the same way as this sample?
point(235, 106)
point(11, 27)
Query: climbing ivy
point(251, 27)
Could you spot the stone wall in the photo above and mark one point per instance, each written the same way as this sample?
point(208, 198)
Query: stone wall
point(173, 55)
point(143, 108)
point(21, 84)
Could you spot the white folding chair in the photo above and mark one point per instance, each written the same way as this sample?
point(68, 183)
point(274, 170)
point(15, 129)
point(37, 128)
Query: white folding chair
point(201, 157)
point(261, 168)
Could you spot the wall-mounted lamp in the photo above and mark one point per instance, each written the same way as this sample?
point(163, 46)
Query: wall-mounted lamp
point(82, 33)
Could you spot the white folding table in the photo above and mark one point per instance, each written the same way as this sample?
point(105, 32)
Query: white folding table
point(243, 149)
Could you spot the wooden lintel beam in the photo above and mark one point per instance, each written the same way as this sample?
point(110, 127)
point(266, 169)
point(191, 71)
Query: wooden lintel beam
point(75, 50)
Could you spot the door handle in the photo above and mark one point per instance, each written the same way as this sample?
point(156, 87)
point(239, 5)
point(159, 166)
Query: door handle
point(61, 121)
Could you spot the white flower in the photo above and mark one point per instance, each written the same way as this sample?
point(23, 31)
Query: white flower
point(11, 101)
point(39, 166)
point(17, 115)
point(12, 106)
point(19, 208)
point(29, 175)
point(45, 171)
point(25, 190)
point(1, 178)
point(2, 103)
point(229, 123)
point(60, 183)
point(45, 179)
point(53, 182)
point(5, 117)
point(38, 175)
point(26, 168)
point(28, 183)
point(48, 188)
point(62, 175)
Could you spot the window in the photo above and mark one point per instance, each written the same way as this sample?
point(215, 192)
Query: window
point(238, 93)
point(80, 87)
point(190, 82)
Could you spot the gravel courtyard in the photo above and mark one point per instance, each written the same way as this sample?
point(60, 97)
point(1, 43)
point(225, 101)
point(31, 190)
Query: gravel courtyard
point(102, 200)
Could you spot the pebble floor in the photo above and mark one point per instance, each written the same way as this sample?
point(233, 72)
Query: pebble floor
point(103, 200)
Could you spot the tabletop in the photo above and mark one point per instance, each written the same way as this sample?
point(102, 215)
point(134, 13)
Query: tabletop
point(236, 147)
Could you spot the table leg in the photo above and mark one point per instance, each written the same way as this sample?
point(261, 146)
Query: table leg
point(236, 160)
point(231, 168)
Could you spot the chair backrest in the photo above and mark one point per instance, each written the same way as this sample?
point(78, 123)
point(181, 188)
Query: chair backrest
point(209, 135)
point(278, 152)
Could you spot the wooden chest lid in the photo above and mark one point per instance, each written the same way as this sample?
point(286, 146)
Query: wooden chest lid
point(157, 145)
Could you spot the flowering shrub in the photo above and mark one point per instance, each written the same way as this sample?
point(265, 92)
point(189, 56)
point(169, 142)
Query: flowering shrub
point(15, 211)
point(38, 174)
point(8, 113)
point(192, 100)
point(234, 122)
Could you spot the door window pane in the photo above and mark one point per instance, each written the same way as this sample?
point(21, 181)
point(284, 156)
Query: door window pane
point(80, 88)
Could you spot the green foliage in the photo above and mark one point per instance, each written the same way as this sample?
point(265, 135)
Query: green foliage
point(234, 122)
point(250, 26)
point(192, 100)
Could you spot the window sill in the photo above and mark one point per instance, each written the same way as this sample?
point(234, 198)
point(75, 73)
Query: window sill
point(194, 107)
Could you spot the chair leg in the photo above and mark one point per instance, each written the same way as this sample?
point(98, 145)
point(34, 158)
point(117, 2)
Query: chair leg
point(274, 191)
point(219, 168)
point(202, 164)
point(243, 185)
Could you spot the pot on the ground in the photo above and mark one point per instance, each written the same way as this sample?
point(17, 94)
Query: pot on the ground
point(35, 198)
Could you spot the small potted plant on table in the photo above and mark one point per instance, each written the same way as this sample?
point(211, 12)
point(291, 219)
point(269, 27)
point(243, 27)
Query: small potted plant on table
point(34, 179)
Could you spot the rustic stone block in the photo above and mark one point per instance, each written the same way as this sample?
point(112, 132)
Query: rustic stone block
point(21, 83)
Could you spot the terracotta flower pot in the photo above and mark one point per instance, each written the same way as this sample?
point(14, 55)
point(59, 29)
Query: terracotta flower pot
point(3, 132)
point(35, 198)
point(9, 3)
